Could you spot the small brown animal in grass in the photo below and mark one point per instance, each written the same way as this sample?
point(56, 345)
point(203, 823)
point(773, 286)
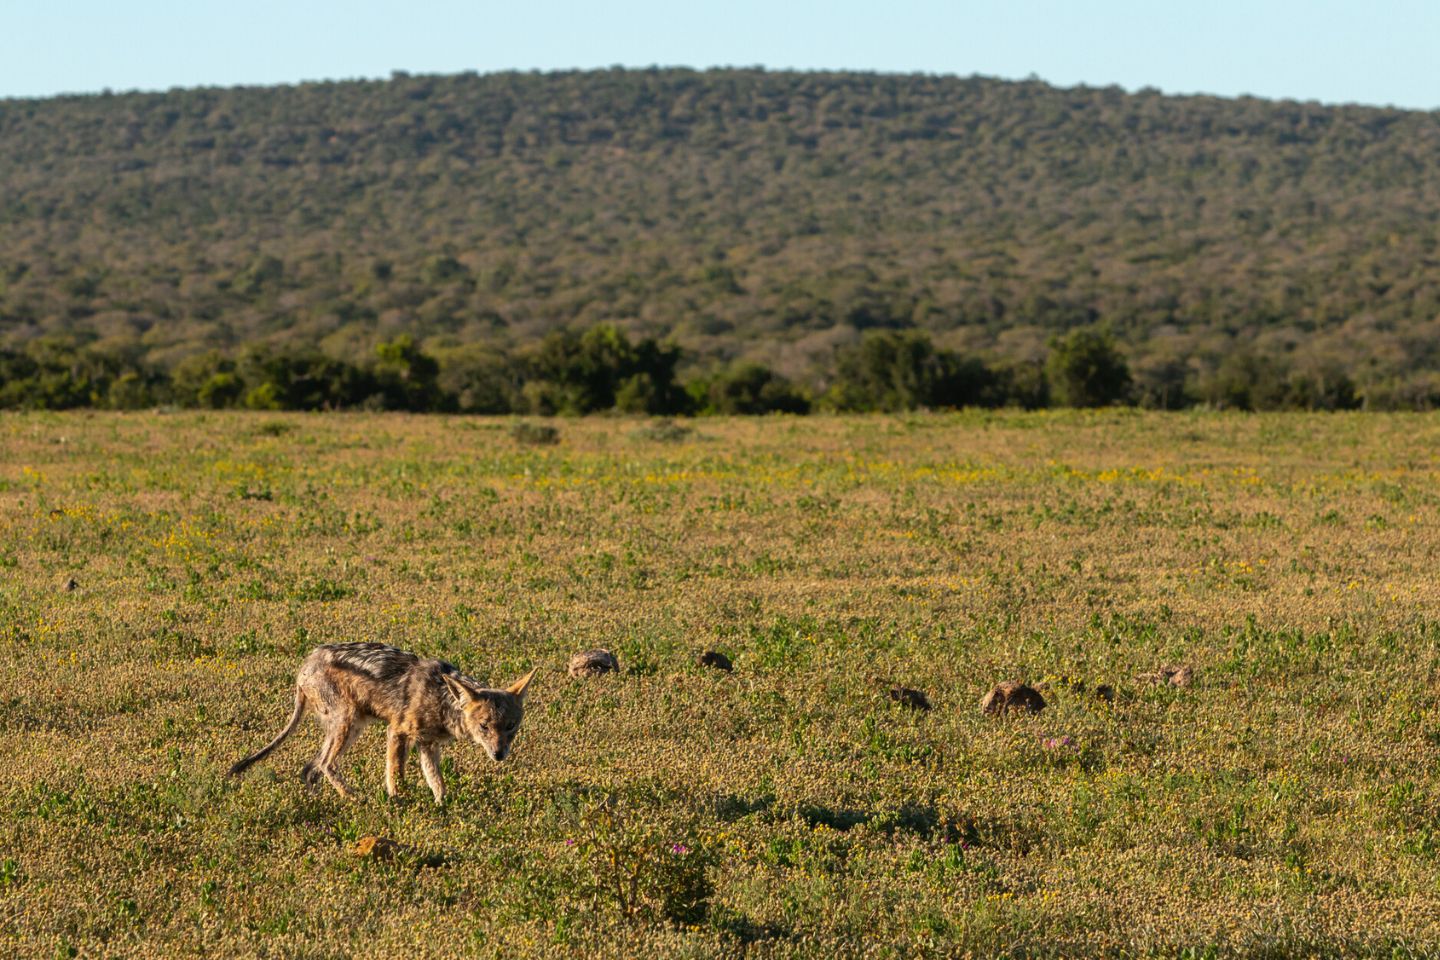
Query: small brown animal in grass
point(427, 704)
point(1176, 676)
point(1012, 695)
point(715, 659)
point(592, 663)
point(906, 697)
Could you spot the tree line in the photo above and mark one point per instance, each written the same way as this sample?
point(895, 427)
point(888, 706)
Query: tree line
point(601, 369)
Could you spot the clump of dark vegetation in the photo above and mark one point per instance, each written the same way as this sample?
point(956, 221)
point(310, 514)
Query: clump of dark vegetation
point(535, 434)
point(663, 431)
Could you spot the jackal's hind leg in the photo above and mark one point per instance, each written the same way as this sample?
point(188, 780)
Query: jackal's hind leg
point(430, 767)
point(342, 734)
point(314, 771)
point(397, 745)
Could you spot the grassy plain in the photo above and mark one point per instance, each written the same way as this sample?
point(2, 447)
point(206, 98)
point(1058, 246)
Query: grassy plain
point(1286, 803)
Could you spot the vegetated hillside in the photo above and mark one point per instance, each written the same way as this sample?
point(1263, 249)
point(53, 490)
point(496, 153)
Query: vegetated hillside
point(743, 213)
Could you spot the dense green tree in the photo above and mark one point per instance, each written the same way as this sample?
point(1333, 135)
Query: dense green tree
point(902, 370)
point(206, 380)
point(406, 378)
point(749, 388)
point(1162, 383)
point(1018, 383)
point(132, 391)
point(280, 379)
point(54, 373)
point(1246, 380)
point(1085, 369)
point(1419, 391)
point(480, 378)
point(600, 369)
point(1321, 386)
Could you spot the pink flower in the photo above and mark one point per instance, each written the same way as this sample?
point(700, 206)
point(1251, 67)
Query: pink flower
point(679, 849)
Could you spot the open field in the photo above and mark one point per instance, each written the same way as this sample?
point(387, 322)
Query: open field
point(1287, 803)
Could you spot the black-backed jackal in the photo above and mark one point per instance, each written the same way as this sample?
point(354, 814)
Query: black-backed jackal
point(427, 703)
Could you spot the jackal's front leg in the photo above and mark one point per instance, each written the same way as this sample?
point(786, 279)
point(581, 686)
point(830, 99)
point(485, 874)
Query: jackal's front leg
point(397, 745)
point(430, 767)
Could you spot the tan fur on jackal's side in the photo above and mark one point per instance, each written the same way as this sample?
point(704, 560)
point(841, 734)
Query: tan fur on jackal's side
point(427, 704)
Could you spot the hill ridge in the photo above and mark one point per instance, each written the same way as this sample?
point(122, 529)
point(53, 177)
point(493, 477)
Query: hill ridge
point(743, 214)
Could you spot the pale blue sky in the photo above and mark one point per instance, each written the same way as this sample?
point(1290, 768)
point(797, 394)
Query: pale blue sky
point(1382, 51)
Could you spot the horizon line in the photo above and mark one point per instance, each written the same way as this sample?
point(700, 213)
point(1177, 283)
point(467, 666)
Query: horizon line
point(403, 73)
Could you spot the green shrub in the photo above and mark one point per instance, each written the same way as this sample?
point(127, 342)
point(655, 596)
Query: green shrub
point(645, 871)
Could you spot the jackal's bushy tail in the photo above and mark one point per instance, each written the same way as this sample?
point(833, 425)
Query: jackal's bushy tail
point(266, 750)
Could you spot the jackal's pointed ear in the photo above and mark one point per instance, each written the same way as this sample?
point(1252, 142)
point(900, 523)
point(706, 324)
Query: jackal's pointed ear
point(517, 689)
point(458, 690)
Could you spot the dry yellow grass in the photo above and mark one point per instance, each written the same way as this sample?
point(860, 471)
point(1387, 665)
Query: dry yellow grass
point(1287, 802)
